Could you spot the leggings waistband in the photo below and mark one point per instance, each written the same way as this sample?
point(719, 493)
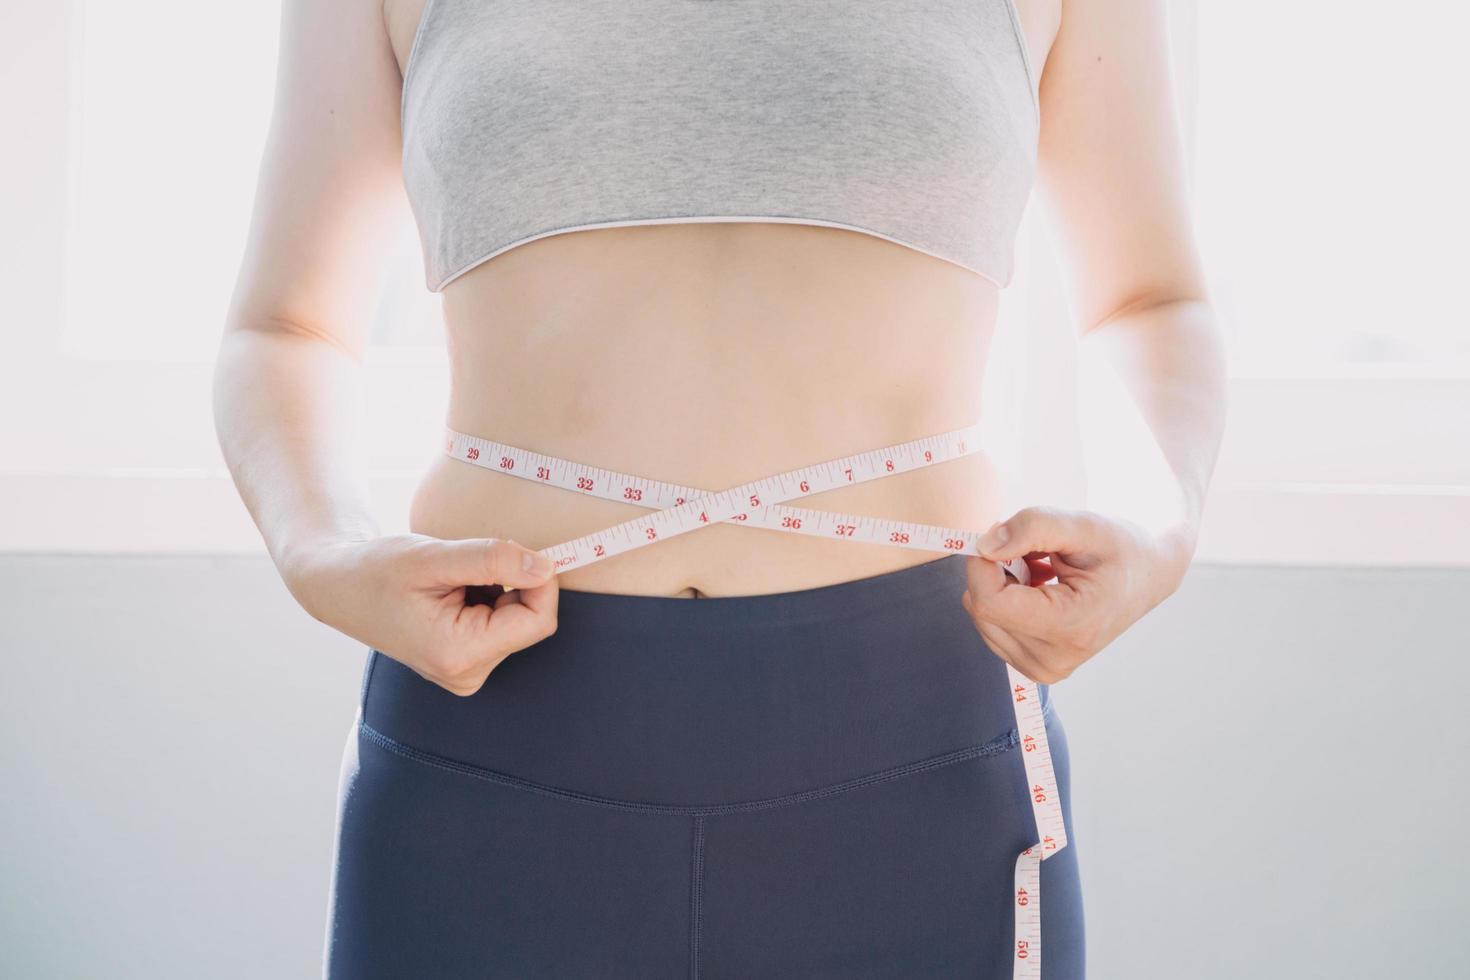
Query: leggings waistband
point(722, 702)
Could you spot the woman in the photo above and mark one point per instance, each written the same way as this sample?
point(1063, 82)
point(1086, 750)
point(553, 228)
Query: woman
point(703, 243)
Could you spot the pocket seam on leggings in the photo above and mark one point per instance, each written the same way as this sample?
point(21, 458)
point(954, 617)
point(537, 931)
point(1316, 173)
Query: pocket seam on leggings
point(993, 747)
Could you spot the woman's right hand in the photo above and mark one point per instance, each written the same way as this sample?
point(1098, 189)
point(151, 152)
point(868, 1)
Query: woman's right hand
point(404, 595)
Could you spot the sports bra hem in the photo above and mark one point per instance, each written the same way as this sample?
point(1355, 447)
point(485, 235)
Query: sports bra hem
point(702, 218)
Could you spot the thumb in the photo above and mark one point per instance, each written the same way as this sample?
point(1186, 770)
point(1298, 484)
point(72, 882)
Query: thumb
point(490, 561)
point(1042, 529)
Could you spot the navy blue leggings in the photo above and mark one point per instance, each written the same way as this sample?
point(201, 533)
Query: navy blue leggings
point(819, 783)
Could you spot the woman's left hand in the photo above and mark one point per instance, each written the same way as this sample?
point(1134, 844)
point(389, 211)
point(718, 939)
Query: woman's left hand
point(1109, 573)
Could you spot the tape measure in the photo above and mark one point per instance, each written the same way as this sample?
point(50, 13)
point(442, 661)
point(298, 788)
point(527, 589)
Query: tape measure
point(762, 503)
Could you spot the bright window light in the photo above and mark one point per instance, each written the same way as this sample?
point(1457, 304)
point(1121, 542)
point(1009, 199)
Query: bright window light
point(170, 108)
point(1330, 187)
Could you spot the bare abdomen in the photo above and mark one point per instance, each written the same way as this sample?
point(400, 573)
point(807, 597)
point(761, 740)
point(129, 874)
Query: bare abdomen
point(710, 355)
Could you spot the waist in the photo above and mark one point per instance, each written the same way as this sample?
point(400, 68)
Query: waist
point(710, 355)
point(735, 701)
point(725, 560)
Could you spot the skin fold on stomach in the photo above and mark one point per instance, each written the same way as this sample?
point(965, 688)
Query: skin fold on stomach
point(712, 354)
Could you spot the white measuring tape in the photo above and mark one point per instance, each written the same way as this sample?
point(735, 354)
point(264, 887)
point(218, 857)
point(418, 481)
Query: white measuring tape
point(761, 503)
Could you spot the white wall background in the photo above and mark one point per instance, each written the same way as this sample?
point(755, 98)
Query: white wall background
point(170, 721)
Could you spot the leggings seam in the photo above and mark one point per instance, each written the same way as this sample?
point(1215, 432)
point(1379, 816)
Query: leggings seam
point(696, 896)
point(994, 746)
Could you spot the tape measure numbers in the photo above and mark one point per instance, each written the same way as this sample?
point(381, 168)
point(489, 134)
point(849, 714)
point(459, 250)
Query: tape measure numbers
point(762, 503)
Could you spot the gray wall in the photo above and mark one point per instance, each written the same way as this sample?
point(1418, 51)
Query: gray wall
point(170, 731)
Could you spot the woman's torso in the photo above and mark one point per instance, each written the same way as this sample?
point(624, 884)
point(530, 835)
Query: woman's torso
point(710, 354)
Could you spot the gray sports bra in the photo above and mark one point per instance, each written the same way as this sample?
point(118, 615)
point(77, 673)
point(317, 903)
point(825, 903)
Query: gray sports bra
point(912, 120)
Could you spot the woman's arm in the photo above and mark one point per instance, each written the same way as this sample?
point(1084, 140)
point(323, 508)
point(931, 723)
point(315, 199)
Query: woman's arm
point(288, 393)
point(1112, 184)
point(1168, 355)
point(1111, 179)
